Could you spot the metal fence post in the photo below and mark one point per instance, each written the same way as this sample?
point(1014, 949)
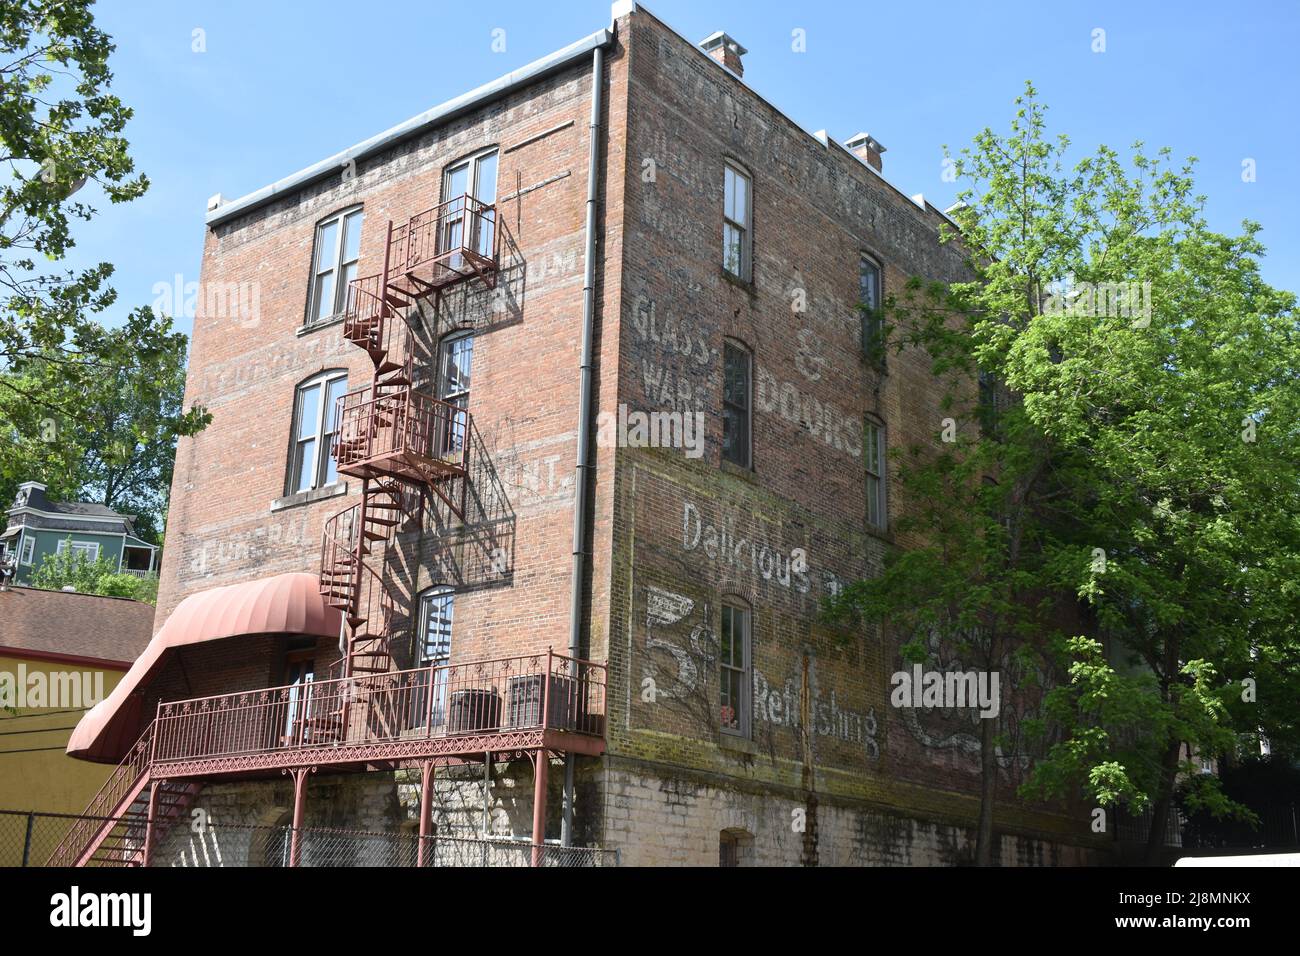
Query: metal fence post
point(27, 841)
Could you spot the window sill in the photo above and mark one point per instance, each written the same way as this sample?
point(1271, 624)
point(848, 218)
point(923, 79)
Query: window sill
point(732, 279)
point(882, 534)
point(308, 497)
point(739, 471)
point(307, 329)
point(736, 743)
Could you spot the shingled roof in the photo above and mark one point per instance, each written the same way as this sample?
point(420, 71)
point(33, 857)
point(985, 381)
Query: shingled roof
point(34, 509)
point(73, 624)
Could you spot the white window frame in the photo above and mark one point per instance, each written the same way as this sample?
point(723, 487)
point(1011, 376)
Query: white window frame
point(27, 551)
point(745, 669)
point(472, 164)
point(338, 265)
point(83, 546)
point(323, 436)
point(444, 596)
point(744, 228)
point(874, 447)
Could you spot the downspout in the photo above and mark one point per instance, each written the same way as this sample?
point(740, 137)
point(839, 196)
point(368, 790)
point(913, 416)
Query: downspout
point(582, 470)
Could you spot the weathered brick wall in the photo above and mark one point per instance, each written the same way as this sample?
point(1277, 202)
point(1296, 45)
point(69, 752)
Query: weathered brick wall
point(691, 533)
point(525, 379)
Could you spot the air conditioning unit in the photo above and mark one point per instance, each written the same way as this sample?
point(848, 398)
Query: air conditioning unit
point(470, 711)
point(567, 704)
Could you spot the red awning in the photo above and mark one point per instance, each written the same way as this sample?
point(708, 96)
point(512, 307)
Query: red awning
point(284, 604)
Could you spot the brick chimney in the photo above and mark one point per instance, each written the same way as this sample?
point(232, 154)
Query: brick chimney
point(725, 50)
point(865, 147)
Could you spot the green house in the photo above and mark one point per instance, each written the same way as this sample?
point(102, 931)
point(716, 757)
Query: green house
point(38, 527)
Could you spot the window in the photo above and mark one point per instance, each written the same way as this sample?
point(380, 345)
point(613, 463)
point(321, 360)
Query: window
point(869, 301)
point(736, 370)
point(736, 251)
point(87, 549)
point(464, 226)
point(455, 367)
point(734, 666)
point(334, 265)
point(28, 551)
point(315, 407)
point(874, 449)
point(436, 610)
point(299, 675)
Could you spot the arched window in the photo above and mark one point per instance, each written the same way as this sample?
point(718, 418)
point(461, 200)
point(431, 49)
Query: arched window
point(334, 264)
point(734, 663)
point(870, 300)
point(466, 224)
point(311, 464)
point(737, 403)
point(737, 208)
point(873, 447)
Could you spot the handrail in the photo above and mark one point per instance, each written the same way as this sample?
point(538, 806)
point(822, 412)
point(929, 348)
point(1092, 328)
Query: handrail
point(110, 795)
point(503, 695)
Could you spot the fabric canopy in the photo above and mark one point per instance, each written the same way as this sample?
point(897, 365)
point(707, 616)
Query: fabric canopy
point(284, 604)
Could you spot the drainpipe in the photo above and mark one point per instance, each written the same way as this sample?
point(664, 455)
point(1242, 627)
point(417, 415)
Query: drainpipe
point(582, 470)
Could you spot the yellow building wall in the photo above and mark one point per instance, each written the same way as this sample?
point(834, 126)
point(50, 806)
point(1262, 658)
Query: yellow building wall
point(35, 772)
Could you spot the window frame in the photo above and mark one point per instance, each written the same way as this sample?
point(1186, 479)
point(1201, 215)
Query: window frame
point(65, 544)
point(744, 721)
point(729, 347)
point(471, 164)
point(880, 476)
point(433, 708)
point(872, 331)
point(454, 438)
point(323, 437)
point(746, 229)
point(27, 551)
point(339, 291)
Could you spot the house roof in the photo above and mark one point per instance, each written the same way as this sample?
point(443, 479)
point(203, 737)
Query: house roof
point(34, 509)
point(73, 624)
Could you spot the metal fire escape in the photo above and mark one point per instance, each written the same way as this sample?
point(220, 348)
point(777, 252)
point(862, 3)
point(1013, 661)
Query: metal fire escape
point(406, 445)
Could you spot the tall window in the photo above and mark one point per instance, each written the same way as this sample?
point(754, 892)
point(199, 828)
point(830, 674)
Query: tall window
point(299, 674)
point(463, 226)
point(874, 448)
point(737, 367)
point(313, 463)
point(28, 551)
point(734, 654)
point(736, 207)
point(436, 607)
point(873, 323)
point(455, 368)
point(334, 264)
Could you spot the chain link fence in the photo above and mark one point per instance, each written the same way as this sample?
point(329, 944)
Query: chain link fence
point(32, 839)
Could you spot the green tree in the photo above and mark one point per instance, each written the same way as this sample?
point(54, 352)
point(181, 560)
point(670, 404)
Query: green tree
point(66, 380)
point(114, 441)
point(1148, 457)
point(73, 569)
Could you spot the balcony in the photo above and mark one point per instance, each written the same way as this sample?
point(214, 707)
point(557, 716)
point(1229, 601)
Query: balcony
point(544, 701)
point(401, 434)
point(456, 240)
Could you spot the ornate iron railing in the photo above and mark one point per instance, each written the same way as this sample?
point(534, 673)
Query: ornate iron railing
point(478, 698)
point(125, 778)
point(404, 422)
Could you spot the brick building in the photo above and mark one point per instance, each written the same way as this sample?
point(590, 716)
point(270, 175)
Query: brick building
point(532, 622)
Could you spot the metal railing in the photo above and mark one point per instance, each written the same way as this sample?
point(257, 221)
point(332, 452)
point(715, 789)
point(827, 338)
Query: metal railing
point(538, 692)
point(124, 779)
point(457, 234)
point(402, 422)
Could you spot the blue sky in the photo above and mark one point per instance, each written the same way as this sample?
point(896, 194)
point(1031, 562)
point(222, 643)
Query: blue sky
point(282, 84)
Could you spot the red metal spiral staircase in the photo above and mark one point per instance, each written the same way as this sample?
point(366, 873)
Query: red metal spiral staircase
point(404, 444)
